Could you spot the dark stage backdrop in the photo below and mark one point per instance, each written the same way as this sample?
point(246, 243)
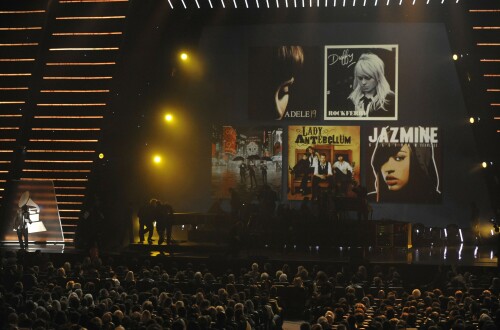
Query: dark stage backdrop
point(423, 90)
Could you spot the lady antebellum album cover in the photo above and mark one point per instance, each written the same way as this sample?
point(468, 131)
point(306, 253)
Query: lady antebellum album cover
point(405, 164)
point(361, 82)
point(322, 158)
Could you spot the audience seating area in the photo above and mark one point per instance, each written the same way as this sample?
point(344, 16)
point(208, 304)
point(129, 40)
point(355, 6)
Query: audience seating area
point(42, 291)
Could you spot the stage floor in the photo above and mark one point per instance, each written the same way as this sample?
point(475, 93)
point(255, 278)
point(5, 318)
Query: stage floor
point(461, 255)
point(452, 255)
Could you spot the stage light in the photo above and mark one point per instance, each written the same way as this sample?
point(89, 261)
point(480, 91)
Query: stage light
point(455, 57)
point(157, 159)
point(168, 117)
point(101, 156)
point(184, 56)
point(484, 164)
point(472, 120)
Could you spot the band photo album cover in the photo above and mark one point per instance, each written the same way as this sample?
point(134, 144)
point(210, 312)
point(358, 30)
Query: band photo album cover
point(323, 159)
point(246, 159)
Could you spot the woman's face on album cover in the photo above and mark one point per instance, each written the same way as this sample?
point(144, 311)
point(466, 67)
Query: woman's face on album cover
point(396, 170)
point(367, 83)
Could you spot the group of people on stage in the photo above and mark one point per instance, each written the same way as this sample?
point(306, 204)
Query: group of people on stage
point(252, 169)
point(338, 175)
point(159, 212)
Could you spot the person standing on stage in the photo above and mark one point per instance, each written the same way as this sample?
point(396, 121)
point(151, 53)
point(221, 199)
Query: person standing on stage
point(21, 225)
point(164, 216)
point(146, 216)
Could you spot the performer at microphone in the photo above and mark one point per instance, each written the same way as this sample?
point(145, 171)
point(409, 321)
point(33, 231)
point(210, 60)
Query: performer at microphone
point(21, 225)
point(27, 207)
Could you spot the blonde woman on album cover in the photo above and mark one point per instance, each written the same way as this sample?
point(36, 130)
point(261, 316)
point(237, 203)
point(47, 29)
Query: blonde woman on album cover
point(372, 95)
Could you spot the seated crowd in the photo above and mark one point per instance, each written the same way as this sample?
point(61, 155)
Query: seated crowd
point(37, 293)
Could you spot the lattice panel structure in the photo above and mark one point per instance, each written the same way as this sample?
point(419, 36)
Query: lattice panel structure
point(21, 32)
point(69, 97)
point(486, 33)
